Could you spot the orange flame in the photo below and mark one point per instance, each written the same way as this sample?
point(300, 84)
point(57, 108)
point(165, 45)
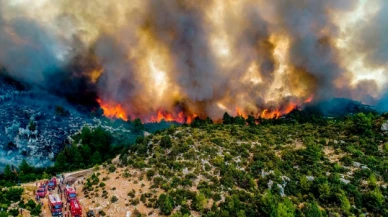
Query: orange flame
point(113, 111)
point(241, 113)
point(270, 114)
point(309, 99)
point(163, 115)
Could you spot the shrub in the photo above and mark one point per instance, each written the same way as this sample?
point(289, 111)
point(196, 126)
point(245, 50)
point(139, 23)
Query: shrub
point(102, 213)
point(166, 204)
point(165, 142)
point(114, 199)
point(112, 168)
point(150, 174)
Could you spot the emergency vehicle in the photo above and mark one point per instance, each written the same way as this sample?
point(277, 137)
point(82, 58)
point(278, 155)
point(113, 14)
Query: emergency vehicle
point(55, 204)
point(75, 208)
point(70, 194)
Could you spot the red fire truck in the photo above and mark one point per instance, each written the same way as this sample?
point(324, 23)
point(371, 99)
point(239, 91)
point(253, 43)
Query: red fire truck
point(52, 183)
point(42, 191)
point(70, 194)
point(75, 208)
point(55, 204)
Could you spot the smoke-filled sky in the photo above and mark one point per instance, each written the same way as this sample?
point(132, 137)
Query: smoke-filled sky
point(201, 57)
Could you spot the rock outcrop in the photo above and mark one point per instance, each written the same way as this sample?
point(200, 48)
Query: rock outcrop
point(384, 126)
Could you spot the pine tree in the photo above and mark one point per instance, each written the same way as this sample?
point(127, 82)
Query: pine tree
point(251, 120)
point(86, 153)
point(313, 153)
point(76, 156)
point(166, 142)
point(286, 209)
point(25, 167)
point(8, 175)
point(166, 204)
point(313, 210)
point(61, 161)
point(305, 183)
point(324, 191)
point(268, 204)
point(226, 118)
point(200, 202)
point(86, 135)
point(138, 125)
point(345, 204)
point(96, 158)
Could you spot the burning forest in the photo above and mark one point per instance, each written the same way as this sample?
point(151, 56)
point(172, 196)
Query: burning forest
point(177, 60)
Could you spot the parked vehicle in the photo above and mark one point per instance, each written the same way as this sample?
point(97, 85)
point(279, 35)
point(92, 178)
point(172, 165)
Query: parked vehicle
point(75, 208)
point(52, 184)
point(41, 191)
point(70, 194)
point(55, 204)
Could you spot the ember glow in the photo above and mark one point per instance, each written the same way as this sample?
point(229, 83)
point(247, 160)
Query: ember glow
point(113, 111)
point(171, 59)
point(181, 117)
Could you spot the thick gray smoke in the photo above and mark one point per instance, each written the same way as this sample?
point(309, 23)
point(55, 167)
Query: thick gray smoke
point(205, 57)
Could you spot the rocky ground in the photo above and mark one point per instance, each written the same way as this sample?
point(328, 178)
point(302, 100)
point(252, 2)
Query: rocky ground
point(117, 184)
point(34, 124)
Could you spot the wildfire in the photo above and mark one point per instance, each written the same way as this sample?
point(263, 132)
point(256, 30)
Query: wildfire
point(241, 113)
point(163, 115)
point(116, 111)
point(113, 111)
point(270, 114)
point(308, 100)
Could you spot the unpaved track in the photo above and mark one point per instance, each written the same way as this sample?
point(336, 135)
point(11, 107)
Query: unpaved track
point(68, 177)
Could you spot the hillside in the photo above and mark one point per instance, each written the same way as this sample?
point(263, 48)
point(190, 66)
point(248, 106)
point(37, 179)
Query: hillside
point(331, 167)
point(336, 169)
point(36, 125)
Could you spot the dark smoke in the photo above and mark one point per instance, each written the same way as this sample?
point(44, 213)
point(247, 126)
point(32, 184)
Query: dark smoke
point(61, 49)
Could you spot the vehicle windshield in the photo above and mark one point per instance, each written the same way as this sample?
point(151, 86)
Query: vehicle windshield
point(51, 184)
point(40, 190)
point(58, 206)
point(72, 195)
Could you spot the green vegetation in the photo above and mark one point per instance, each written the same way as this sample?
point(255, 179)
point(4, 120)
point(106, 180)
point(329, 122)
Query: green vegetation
point(299, 165)
point(90, 147)
point(11, 201)
point(60, 111)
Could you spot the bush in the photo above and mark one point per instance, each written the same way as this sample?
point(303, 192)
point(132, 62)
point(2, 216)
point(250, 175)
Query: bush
point(112, 168)
point(166, 142)
point(102, 213)
point(166, 204)
point(59, 110)
point(114, 199)
point(150, 174)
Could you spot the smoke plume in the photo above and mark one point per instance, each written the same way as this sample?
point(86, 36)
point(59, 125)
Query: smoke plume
point(199, 57)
